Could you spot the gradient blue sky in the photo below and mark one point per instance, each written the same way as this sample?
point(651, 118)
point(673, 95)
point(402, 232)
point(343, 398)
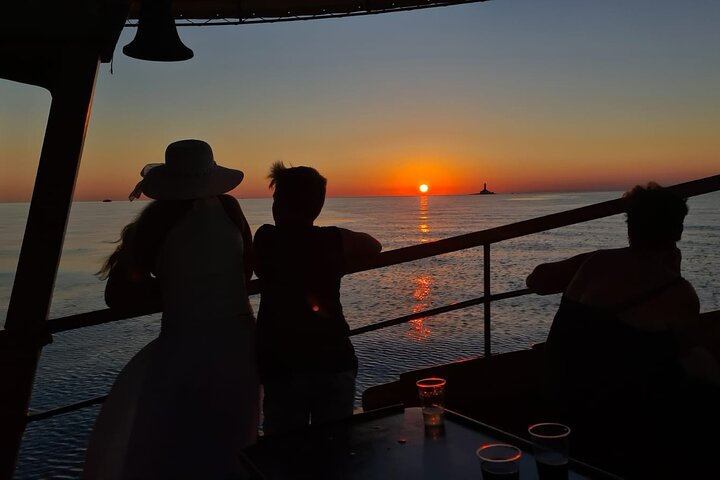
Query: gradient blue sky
point(525, 95)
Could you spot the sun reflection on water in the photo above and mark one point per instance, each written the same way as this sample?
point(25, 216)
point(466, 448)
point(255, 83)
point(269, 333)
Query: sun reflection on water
point(421, 292)
point(423, 226)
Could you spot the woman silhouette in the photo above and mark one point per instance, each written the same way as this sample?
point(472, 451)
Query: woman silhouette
point(186, 404)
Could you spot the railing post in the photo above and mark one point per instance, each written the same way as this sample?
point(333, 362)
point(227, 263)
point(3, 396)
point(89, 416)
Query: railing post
point(486, 303)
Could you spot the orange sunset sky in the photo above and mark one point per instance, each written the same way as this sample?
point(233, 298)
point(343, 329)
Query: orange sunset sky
point(559, 95)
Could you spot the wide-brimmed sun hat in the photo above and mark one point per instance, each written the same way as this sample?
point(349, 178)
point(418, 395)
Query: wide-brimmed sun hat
point(189, 172)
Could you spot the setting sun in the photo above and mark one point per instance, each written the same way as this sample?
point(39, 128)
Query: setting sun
point(423, 188)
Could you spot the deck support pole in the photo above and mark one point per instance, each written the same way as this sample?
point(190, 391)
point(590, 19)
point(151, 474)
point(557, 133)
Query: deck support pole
point(486, 303)
point(70, 77)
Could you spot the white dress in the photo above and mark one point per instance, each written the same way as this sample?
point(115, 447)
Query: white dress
point(186, 404)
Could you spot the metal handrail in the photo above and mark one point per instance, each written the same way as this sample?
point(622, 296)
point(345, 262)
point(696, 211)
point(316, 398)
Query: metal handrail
point(406, 254)
point(41, 415)
point(436, 311)
point(428, 249)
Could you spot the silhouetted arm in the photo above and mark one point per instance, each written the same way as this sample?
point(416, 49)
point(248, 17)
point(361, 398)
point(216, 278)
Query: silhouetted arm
point(232, 208)
point(554, 277)
point(132, 290)
point(699, 338)
point(248, 257)
point(256, 249)
point(357, 244)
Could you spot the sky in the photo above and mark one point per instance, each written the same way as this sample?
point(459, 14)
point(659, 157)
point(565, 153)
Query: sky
point(524, 95)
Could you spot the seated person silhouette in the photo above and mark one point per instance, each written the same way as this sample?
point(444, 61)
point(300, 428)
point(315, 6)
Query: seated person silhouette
point(623, 338)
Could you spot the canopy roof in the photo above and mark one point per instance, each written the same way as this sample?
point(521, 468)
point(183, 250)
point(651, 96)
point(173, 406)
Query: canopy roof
point(253, 11)
point(32, 32)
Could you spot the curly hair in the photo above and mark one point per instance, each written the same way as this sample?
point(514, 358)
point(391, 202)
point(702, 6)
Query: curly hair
point(655, 215)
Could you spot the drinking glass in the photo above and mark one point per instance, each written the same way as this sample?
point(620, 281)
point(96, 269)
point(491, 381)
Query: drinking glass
point(498, 461)
point(432, 400)
point(551, 447)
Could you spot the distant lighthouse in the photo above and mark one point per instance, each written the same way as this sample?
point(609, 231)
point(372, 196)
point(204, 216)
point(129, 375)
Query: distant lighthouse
point(485, 191)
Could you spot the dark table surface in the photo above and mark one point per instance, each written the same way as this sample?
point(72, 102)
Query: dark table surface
point(391, 443)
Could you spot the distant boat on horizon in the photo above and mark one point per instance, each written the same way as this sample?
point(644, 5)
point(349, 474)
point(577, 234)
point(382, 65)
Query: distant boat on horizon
point(484, 191)
point(107, 200)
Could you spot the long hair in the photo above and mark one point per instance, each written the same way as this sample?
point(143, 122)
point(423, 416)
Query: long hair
point(140, 241)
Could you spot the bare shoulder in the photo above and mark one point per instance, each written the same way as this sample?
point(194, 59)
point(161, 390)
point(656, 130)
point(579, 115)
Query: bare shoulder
point(676, 307)
point(687, 295)
point(597, 268)
point(601, 258)
point(358, 243)
point(554, 277)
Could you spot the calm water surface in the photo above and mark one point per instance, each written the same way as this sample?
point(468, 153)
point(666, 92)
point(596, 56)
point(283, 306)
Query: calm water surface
point(82, 364)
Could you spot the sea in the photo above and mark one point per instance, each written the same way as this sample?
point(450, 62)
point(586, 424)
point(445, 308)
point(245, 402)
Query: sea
point(82, 364)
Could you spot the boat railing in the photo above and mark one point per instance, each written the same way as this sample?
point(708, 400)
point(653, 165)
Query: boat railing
point(485, 239)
